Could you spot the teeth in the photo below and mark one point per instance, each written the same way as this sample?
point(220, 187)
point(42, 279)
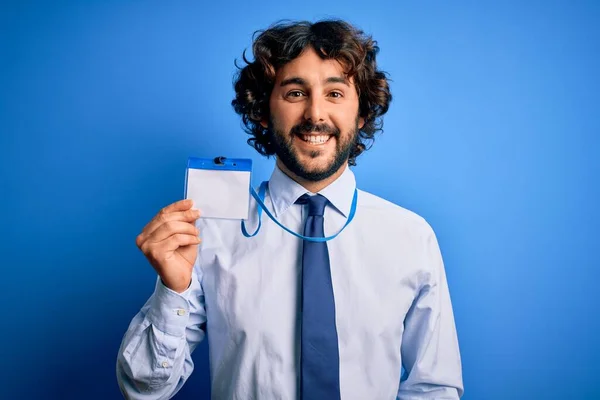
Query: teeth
point(315, 139)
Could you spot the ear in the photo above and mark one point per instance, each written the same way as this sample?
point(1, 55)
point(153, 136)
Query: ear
point(361, 122)
point(264, 123)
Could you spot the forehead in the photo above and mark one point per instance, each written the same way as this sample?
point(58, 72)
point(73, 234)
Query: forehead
point(312, 68)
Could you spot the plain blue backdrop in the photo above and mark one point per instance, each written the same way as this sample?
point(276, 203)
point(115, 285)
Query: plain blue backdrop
point(493, 137)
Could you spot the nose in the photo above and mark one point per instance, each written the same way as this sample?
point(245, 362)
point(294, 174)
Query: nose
point(314, 111)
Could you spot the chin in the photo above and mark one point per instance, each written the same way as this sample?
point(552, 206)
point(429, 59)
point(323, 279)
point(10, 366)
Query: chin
point(314, 171)
point(317, 168)
point(312, 163)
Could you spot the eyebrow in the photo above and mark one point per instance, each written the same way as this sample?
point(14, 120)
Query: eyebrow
point(295, 80)
point(337, 79)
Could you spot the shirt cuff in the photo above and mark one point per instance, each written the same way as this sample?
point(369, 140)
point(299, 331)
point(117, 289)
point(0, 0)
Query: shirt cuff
point(169, 310)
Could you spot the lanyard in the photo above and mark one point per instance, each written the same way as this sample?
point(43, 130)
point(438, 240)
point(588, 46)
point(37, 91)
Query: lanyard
point(260, 197)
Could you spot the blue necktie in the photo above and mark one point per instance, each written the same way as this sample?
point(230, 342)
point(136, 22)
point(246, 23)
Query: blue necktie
point(320, 360)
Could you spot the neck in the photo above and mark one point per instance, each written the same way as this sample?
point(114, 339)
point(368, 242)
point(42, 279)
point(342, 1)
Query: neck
point(312, 186)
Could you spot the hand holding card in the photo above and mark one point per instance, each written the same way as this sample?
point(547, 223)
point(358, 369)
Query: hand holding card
point(170, 243)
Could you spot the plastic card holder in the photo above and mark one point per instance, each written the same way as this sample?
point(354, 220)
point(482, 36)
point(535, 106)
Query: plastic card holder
point(220, 187)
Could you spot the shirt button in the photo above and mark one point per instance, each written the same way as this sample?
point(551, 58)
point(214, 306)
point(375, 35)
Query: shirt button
point(180, 312)
point(165, 364)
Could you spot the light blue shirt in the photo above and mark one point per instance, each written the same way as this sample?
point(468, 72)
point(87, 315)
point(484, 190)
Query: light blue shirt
point(393, 307)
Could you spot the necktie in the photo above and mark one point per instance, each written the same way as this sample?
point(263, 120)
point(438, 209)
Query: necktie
point(320, 360)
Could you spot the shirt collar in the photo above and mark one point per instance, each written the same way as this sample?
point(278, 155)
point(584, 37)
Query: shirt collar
point(284, 191)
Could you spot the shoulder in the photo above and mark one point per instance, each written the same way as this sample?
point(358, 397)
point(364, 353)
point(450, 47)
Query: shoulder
point(385, 212)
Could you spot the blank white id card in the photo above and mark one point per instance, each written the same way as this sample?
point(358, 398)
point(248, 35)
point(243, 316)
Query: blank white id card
point(220, 187)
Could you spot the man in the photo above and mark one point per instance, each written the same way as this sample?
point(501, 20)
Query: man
point(289, 318)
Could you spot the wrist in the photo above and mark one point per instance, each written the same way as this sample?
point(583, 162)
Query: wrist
point(178, 287)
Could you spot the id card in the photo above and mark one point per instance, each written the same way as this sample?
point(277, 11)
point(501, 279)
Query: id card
point(220, 187)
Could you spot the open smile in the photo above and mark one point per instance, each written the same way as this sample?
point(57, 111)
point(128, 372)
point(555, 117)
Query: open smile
point(316, 140)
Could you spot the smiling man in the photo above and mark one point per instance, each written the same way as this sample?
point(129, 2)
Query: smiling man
point(364, 315)
point(313, 119)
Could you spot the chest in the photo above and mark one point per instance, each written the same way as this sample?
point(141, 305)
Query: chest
point(255, 286)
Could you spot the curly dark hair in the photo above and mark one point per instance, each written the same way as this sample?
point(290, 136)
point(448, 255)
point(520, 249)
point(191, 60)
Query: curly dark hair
point(331, 39)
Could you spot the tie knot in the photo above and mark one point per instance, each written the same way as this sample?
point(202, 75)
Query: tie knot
point(316, 204)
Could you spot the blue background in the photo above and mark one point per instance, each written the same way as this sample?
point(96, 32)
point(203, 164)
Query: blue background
point(493, 137)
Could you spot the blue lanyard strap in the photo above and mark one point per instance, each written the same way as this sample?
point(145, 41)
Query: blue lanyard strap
point(261, 206)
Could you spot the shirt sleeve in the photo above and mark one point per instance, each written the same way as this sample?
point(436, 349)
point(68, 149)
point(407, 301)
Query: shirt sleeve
point(430, 351)
point(154, 359)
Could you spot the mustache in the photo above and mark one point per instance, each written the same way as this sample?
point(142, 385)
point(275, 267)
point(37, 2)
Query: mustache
point(307, 127)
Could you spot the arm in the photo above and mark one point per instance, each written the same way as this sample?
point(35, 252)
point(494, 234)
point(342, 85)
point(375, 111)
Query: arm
point(154, 359)
point(430, 351)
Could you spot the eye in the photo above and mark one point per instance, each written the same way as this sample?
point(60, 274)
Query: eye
point(294, 93)
point(336, 94)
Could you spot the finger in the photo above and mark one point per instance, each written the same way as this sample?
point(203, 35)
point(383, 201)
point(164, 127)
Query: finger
point(171, 228)
point(174, 242)
point(190, 215)
point(178, 240)
point(163, 250)
point(180, 205)
point(168, 229)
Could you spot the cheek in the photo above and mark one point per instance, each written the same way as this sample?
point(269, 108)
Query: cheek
point(285, 116)
point(345, 123)
point(346, 119)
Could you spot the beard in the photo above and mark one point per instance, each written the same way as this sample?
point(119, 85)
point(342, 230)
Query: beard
point(285, 151)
